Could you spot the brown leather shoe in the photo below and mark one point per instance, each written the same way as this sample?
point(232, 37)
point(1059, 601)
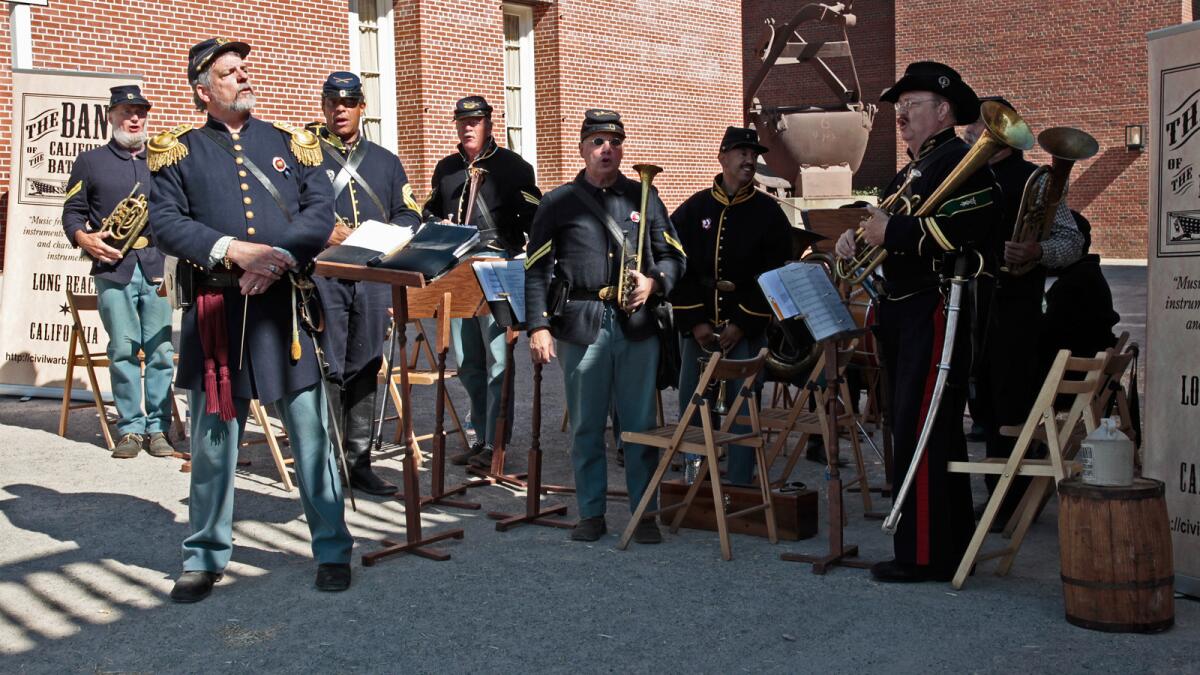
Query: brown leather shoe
point(647, 532)
point(129, 446)
point(589, 529)
point(159, 446)
point(464, 457)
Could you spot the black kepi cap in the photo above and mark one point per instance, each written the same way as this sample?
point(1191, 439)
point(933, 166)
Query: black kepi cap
point(342, 84)
point(599, 120)
point(939, 79)
point(472, 106)
point(740, 137)
point(202, 54)
point(127, 94)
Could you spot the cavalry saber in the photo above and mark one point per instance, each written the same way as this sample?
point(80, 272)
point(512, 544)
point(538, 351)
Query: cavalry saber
point(330, 408)
point(939, 387)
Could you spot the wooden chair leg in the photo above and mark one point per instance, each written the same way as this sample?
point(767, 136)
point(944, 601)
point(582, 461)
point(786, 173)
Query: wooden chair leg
point(65, 414)
point(99, 400)
point(176, 416)
point(714, 477)
point(644, 503)
point(790, 465)
point(1038, 489)
point(690, 495)
point(260, 415)
point(981, 529)
point(765, 490)
point(864, 485)
point(458, 427)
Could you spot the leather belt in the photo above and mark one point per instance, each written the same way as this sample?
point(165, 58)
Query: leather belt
point(217, 279)
point(606, 294)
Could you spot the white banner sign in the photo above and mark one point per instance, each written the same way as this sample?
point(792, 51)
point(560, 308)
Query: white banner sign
point(56, 117)
point(1173, 320)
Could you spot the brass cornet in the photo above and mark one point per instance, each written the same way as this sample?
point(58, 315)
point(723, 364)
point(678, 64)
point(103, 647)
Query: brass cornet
point(126, 222)
point(626, 281)
point(1004, 129)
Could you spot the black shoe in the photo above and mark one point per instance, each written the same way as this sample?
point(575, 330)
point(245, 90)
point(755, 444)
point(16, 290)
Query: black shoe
point(814, 451)
point(482, 459)
point(333, 577)
point(891, 571)
point(589, 529)
point(194, 586)
point(363, 479)
point(464, 457)
point(647, 532)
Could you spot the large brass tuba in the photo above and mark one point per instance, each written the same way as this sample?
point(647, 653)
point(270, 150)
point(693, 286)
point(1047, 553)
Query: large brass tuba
point(1047, 187)
point(126, 222)
point(1004, 128)
point(625, 282)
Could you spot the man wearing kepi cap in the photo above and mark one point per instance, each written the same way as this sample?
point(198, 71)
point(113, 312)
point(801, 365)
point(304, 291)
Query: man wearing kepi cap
point(731, 233)
point(937, 519)
point(505, 199)
point(609, 352)
point(369, 183)
point(134, 316)
point(244, 204)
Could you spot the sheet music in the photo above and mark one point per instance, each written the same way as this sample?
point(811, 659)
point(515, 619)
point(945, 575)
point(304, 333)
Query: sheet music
point(805, 290)
point(503, 280)
point(378, 236)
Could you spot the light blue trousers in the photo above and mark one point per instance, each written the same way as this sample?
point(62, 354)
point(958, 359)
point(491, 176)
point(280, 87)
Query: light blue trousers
point(610, 374)
point(740, 462)
point(214, 459)
point(136, 319)
point(480, 352)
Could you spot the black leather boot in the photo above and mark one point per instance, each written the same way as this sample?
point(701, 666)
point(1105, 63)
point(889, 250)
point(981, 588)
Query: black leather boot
point(358, 404)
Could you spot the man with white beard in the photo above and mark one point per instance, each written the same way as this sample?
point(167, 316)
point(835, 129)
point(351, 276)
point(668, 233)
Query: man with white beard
point(135, 317)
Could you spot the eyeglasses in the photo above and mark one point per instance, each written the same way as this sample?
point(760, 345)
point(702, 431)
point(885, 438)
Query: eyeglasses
point(905, 106)
point(615, 142)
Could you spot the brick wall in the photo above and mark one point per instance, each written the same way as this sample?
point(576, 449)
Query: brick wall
point(1062, 63)
point(872, 41)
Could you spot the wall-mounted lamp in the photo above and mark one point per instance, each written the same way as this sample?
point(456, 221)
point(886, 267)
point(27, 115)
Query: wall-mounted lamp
point(1134, 137)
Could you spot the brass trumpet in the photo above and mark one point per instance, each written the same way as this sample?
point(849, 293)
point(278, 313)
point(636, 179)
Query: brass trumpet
point(1004, 129)
point(1047, 187)
point(626, 281)
point(126, 222)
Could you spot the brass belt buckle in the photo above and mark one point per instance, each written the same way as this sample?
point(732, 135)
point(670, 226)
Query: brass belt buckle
point(607, 293)
point(140, 242)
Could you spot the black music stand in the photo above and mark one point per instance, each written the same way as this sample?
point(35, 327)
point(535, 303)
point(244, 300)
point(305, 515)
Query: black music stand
point(414, 541)
point(803, 290)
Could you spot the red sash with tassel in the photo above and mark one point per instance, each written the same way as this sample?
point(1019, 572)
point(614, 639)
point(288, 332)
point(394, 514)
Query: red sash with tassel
point(214, 338)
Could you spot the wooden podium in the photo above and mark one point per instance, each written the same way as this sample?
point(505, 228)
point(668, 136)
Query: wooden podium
point(415, 541)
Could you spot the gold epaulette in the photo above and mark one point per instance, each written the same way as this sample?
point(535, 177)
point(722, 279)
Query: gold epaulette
point(165, 149)
point(304, 144)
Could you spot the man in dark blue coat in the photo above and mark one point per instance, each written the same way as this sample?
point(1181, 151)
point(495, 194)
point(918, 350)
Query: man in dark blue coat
point(243, 204)
point(609, 352)
point(369, 183)
point(134, 316)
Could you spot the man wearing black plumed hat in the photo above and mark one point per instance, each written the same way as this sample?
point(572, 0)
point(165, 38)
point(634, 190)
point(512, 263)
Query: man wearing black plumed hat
point(369, 183)
point(937, 519)
point(127, 270)
point(608, 348)
point(505, 199)
point(731, 233)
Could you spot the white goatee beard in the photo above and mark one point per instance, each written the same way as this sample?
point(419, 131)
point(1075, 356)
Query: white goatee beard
point(130, 141)
point(241, 105)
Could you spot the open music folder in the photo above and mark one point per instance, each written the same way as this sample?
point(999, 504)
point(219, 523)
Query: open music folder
point(804, 290)
point(503, 284)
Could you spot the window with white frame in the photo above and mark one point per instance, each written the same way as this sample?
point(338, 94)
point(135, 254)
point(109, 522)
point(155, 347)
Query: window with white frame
point(372, 39)
point(519, 97)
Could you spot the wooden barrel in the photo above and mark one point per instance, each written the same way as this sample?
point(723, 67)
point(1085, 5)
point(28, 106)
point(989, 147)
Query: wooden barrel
point(1115, 545)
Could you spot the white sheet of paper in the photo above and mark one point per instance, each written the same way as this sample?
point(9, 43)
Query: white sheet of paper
point(503, 280)
point(377, 236)
point(776, 293)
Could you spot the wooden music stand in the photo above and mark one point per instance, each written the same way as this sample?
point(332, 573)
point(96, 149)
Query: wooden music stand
point(455, 295)
point(495, 474)
point(414, 540)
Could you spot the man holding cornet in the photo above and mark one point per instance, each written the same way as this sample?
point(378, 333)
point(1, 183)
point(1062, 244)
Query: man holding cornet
point(105, 214)
point(586, 287)
point(922, 233)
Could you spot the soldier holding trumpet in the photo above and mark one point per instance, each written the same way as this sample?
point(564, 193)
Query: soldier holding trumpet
point(936, 521)
point(105, 213)
point(587, 288)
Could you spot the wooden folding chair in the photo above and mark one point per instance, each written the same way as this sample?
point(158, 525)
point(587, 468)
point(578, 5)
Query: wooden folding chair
point(706, 441)
point(1061, 438)
point(78, 355)
point(275, 437)
point(420, 376)
point(1113, 394)
point(796, 418)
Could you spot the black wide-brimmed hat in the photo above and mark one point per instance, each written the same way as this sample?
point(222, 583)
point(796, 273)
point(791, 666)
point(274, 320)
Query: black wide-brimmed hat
point(939, 79)
point(598, 120)
point(740, 137)
point(202, 54)
point(472, 106)
point(128, 94)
